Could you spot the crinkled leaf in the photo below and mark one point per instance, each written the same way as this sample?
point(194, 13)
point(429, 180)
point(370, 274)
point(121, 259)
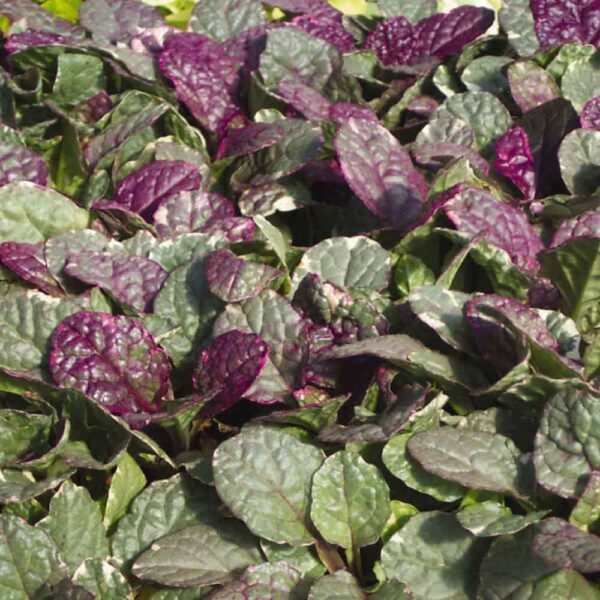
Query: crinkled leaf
point(579, 157)
point(113, 360)
point(223, 20)
point(515, 161)
point(380, 172)
point(177, 251)
point(590, 114)
point(328, 30)
point(264, 477)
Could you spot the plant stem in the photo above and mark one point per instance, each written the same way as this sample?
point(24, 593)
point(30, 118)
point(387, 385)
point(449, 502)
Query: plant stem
point(329, 557)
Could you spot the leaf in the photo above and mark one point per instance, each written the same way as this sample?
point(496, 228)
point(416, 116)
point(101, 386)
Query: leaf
point(566, 445)
point(113, 360)
point(22, 434)
point(380, 172)
point(126, 483)
point(292, 56)
point(274, 581)
point(410, 273)
point(198, 555)
point(165, 506)
point(102, 579)
point(413, 10)
point(515, 161)
point(74, 523)
point(30, 213)
point(273, 318)
point(434, 556)
point(20, 486)
point(355, 262)
point(302, 558)
point(178, 251)
point(18, 163)
point(586, 512)
point(341, 585)
point(78, 78)
point(474, 459)
point(579, 162)
point(350, 501)
point(560, 544)
point(530, 85)
point(226, 19)
point(264, 477)
point(29, 559)
point(279, 244)
point(232, 279)
point(490, 519)
point(581, 80)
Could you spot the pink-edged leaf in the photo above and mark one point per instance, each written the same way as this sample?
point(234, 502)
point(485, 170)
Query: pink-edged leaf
point(515, 161)
point(190, 212)
point(585, 225)
point(19, 163)
point(590, 115)
point(560, 22)
point(146, 189)
point(305, 99)
point(531, 85)
point(231, 364)
point(380, 172)
point(563, 545)
point(205, 77)
point(477, 212)
point(27, 262)
point(133, 280)
point(232, 279)
point(342, 112)
point(235, 229)
point(246, 47)
point(328, 30)
point(111, 359)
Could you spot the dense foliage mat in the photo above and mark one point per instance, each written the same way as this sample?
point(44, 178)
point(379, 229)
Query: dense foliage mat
point(298, 303)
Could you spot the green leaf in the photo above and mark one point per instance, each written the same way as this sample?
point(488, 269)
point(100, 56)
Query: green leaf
point(176, 252)
point(22, 433)
point(391, 590)
point(264, 477)
point(278, 242)
point(487, 519)
point(586, 512)
point(400, 464)
point(581, 80)
point(74, 522)
point(413, 10)
point(591, 358)
point(127, 482)
point(78, 77)
point(30, 213)
point(475, 459)
point(567, 446)
point(65, 9)
point(28, 559)
point(349, 262)
point(516, 19)
point(226, 18)
point(579, 156)
point(350, 501)
point(102, 579)
point(19, 486)
point(574, 267)
point(164, 507)
point(564, 584)
point(341, 585)
point(199, 555)
point(486, 73)
point(410, 273)
point(434, 556)
point(302, 558)
point(292, 56)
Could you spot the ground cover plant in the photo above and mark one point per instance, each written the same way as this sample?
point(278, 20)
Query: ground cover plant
point(300, 300)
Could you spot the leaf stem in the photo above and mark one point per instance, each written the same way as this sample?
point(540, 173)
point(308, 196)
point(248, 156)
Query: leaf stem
point(329, 556)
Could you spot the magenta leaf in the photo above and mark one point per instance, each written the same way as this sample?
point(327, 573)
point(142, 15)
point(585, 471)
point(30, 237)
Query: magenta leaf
point(32, 38)
point(145, 190)
point(515, 161)
point(328, 30)
point(590, 115)
point(205, 78)
point(27, 262)
point(19, 163)
point(111, 359)
point(133, 280)
point(380, 172)
point(232, 279)
point(560, 22)
point(305, 99)
point(393, 40)
point(231, 364)
point(342, 112)
point(477, 212)
point(585, 225)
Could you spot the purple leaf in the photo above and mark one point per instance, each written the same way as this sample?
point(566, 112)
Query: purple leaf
point(246, 47)
point(145, 190)
point(231, 363)
point(477, 212)
point(205, 78)
point(254, 137)
point(35, 17)
point(563, 545)
point(515, 161)
point(393, 40)
point(380, 172)
point(189, 212)
point(328, 30)
point(27, 262)
point(590, 115)
point(33, 38)
point(95, 107)
point(133, 280)
point(19, 163)
point(306, 100)
point(585, 225)
point(232, 279)
point(559, 22)
point(111, 359)
point(235, 229)
point(118, 20)
point(530, 85)
point(342, 112)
